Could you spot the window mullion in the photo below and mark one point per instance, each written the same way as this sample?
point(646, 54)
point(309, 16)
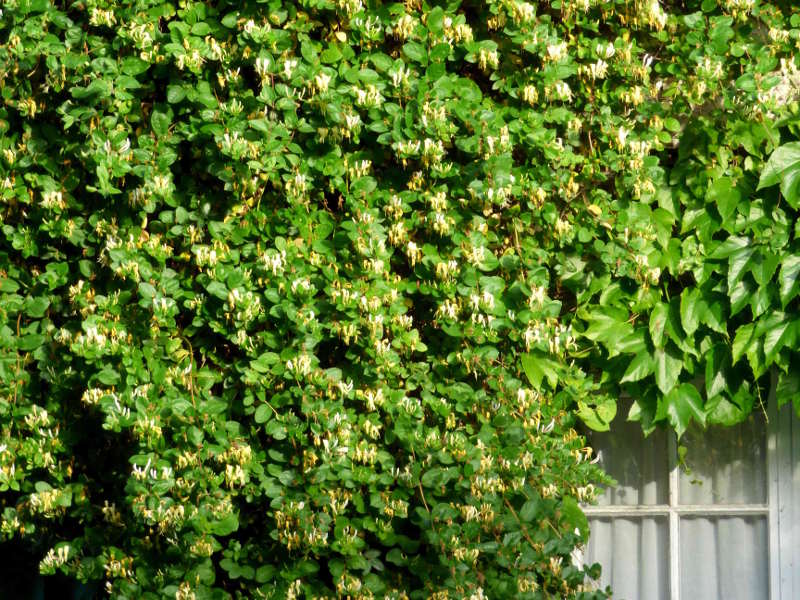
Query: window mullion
point(674, 523)
point(775, 443)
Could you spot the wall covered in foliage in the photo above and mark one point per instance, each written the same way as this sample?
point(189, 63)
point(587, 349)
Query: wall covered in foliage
point(303, 299)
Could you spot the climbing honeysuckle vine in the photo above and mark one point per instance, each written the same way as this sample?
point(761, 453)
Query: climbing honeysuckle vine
point(304, 299)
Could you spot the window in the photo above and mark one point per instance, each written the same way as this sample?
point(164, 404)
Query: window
point(723, 526)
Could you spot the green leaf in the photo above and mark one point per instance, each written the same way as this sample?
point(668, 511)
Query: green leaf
point(598, 416)
point(217, 289)
point(574, 518)
point(730, 246)
point(790, 186)
point(201, 29)
point(226, 525)
point(788, 389)
point(738, 263)
point(607, 330)
point(537, 367)
point(789, 278)
point(108, 376)
point(718, 361)
point(784, 166)
point(160, 122)
point(725, 195)
point(262, 414)
point(681, 405)
point(721, 411)
point(415, 52)
point(764, 265)
point(668, 369)
point(776, 337)
point(785, 158)
point(741, 294)
point(264, 362)
point(36, 307)
point(529, 510)
point(691, 309)
point(741, 341)
point(175, 93)
point(330, 55)
point(640, 367)
point(658, 322)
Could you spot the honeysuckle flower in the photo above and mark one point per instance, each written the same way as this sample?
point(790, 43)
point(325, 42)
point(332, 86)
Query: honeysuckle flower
point(556, 52)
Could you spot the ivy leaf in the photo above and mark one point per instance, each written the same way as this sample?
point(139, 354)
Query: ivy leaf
point(691, 309)
point(538, 367)
point(640, 367)
point(721, 411)
point(668, 369)
point(607, 330)
point(741, 341)
point(741, 294)
point(789, 278)
point(680, 406)
point(737, 265)
point(729, 246)
point(777, 337)
point(658, 322)
point(764, 265)
point(725, 195)
point(788, 389)
point(718, 361)
point(783, 166)
point(598, 416)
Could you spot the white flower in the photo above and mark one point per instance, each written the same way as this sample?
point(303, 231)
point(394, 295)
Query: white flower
point(605, 50)
point(322, 80)
point(289, 65)
point(622, 135)
point(563, 91)
point(556, 52)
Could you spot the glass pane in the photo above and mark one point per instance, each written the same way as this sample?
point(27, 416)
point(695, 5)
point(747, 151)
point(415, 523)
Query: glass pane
point(726, 465)
point(724, 558)
point(638, 464)
point(633, 552)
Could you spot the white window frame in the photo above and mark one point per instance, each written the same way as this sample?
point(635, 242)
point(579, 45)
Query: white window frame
point(782, 508)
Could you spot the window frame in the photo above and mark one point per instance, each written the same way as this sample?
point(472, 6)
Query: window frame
point(781, 509)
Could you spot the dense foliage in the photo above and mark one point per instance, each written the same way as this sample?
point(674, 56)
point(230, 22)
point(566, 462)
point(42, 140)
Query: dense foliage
point(302, 299)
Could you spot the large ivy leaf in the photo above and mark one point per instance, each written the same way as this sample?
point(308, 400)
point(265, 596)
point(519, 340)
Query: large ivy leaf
point(783, 166)
point(640, 367)
point(738, 263)
point(598, 415)
point(668, 368)
point(537, 368)
point(788, 389)
point(607, 330)
point(724, 193)
point(741, 341)
point(692, 309)
point(789, 278)
point(658, 324)
point(718, 360)
point(680, 406)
